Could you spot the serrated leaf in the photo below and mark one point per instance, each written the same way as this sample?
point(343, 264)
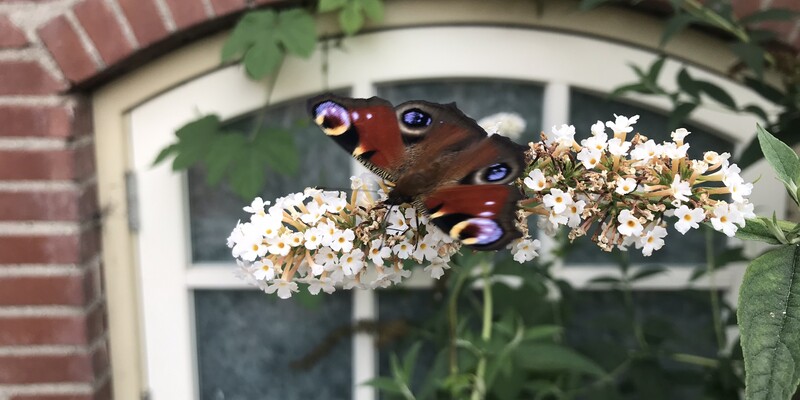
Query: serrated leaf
point(751, 55)
point(227, 147)
point(547, 357)
point(717, 93)
point(384, 384)
point(770, 14)
point(350, 18)
point(687, 83)
point(263, 58)
point(757, 229)
point(781, 157)
point(769, 319)
point(297, 32)
point(247, 173)
point(373, 9)
point(675, 25)
point(278, 150)
point(330, 5)
point(679, 114)
point(165, 153)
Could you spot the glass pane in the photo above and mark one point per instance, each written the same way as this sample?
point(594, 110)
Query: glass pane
point(247, 340)
point(689, 249)
point(213, 211)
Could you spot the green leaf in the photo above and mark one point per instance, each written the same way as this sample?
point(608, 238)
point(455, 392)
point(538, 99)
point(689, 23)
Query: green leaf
point(758, 229)
point(633, 87)
point(675, 25)
point(688, 84)
point(769, 319)
point(547, 357)
point(410, 359)
point(679, 114)
point(385, 384)
point(247, 173)
point(226, 148)
point(655, 70)
point(373, 9)
point(751, 55)
point(758, 111)
point(263, 58)
point(194, 141)
point(590, 4)
point(781, 157)
point(717, 93)
point(297, 32)
point(765, 90)
point(770, 14)
point(278, 150)
point(542, 332)
point(165, 153)
point(350, 19)
point(646, 272)
point(243, 36)
point(330, 5)
point(605, 279)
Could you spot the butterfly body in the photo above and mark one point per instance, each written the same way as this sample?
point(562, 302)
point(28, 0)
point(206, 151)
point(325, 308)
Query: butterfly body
point(439, 159)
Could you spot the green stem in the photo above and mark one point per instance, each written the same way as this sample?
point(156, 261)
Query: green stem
point(627, 293)
point(716, 312)
point(479, 388)
point(695, 360)
point(452, 314)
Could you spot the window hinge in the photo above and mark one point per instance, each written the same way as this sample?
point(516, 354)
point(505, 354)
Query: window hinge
point(132, 198)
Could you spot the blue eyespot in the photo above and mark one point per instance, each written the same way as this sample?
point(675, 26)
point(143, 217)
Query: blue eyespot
point(480, 231)
point(496, 172)
point(332, 118)
point(416, 118)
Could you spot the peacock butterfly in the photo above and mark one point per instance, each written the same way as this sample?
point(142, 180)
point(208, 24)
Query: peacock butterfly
point(440, 160)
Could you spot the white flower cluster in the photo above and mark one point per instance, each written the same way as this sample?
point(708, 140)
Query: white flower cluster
point(323, 240)
point(510, 125)
point(629, 187)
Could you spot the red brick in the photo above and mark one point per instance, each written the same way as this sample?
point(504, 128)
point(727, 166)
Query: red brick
point(29, 331)
point(45, 369)
point(35, 121)
point(10, 35)
point(27, 77)
point(61, 249)
point(47, 165)
point(69, 205)
point(222, 7)
point(71, 290)
point(103, 29)
point(145, 20)
point(63, 42)
point(788, 4)
point(186, 12)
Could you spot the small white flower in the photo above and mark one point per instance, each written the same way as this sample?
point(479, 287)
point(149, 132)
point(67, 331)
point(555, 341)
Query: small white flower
point(264, 269)
point(251, 245)
point(652, 240)
point(573, 213)
point(688, 218)
point(557, 200)
point(739, 190)
point(352, 261)
point(629, 225)
point(326, 257)
point(256, 206)
point(280, 246)
point(746, 210)
point(589, 157)
point(618, 147)
point(325, 284)
point(724, 219)
point(622, 123)
point(731, 175)
point(646, 151)
point(335, 204)
point(680, 189)
point(426, 249)
point(625, 185)
point(557, 219)
point(536, 180)
point(269, 225)
point(599, 129)
point(377, 252)
point(673, 151)
point(507, 124)
point(398, 224)
point(437, 267)
point(525, 250)
point(283, 287)
point(712, 157)
point(343, 240)
point(679, 134)
point(315, 211)
point(312, 238)
point(295, 239)
point(403, 249)
point(563, 136)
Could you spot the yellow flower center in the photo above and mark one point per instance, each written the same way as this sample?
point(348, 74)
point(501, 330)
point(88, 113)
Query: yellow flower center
point(687, 217)
point(255, 247)
point(631, 223)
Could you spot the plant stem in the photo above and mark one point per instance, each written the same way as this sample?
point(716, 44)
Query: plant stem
point(452, 317)
point(479, 388)
point(716, 313)
point(695, 360)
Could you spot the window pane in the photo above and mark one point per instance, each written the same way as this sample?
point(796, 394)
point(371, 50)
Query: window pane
point(689, 249)
point(246, 341)
point(213, 211)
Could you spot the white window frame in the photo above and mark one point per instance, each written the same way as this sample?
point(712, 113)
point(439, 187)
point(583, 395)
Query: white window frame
point(163, 247)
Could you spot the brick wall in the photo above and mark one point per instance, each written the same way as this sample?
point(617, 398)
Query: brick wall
point(53, 331)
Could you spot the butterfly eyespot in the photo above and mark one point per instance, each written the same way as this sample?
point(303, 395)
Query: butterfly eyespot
point(416, 118)
point(477, 231)
point(332, 118)
point(496, 172)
